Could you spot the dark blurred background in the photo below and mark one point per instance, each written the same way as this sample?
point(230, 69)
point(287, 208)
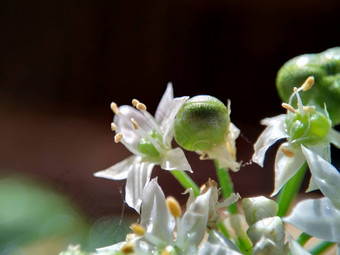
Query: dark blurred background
point(63, 62)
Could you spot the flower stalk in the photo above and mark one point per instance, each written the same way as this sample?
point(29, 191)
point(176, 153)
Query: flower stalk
point(184, 179)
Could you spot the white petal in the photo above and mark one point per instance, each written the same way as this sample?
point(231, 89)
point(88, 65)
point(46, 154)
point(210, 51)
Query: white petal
point(286, 167)
point(120, 170)
point(155, 216)
point(191, 198)
point(325, 175)
point(163, 107)
point(312, 185)
point(167, 124)
point(267, 246)
point(233, 198)
point(334, 137)
point(322, 149)
point(175, 160)
point(317, 217)
point(192, 226)
point(209, 248)
point(219, 239)
point(296, 248)
point(125, 126)
point(112, 248)
point(269, 136)
point(138, 178)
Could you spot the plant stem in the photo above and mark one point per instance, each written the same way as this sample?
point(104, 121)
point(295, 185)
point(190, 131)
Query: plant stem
point(242, 240)
point(303, 239)
point(289, 191)
point(184, 179)
point(226, 185)
point(320, 247)
point(224, 230)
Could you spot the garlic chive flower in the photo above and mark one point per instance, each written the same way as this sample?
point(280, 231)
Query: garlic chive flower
point(203, 125)
point(167, 231)
point(301, 125)
point(149, 139)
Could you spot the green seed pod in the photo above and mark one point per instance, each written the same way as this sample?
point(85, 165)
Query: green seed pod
point(147, 148)
point(325, 67)
point(308, 127)
point(201, 123)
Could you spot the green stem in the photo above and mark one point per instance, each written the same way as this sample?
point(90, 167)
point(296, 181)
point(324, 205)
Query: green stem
point(321, 247)
point(223, 230)
point(289, 191)
point(242, 240)
point(226, 185)
point(184, 179)
point(303, 239)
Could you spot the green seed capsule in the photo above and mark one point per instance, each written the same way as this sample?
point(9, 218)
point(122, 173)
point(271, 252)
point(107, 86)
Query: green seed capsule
point(325, 67)
point(146, 147)
point(201, 123)
point(307, 128)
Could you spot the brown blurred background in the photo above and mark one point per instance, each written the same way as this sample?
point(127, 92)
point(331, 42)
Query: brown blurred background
point(62, 62)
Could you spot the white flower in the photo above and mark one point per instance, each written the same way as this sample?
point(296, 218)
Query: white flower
point(298, 126)
point(320, 217)
point(149, 139)
point(166, 231)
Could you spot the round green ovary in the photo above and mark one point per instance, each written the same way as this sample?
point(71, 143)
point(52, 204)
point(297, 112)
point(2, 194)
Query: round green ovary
point(202, 123)
point(310, 128)
point(147, 148)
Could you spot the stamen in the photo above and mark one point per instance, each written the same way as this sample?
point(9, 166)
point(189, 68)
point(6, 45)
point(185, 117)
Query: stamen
point(114, 108)
point(309, 109)
point(141, 107)
point(135, 102)
point(137, 229)
point(127, 248)
point(118, 137)
point(173, 207)
point(287, 152)
point(295, 89)
point(113, 126)
point(288, 107)
point(309, 82)
point(134, 123)
point(165, 252)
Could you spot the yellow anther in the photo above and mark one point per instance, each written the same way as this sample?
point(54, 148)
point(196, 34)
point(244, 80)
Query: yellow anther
point(141, 107)
point(114, 108)
point(113, 126)
point(118, 137)
point(309, 82)
point(137, 229)
point(287, 152)
point(288, 107)
point(173, 207)
point(295, 89)
point(134, 123)
point(135, 102)
point(165, 252)
point(127, 248)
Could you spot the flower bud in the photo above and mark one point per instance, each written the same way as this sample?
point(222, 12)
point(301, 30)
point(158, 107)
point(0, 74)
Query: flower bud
point(258, 208)
point(201, 123)
point(325, 68)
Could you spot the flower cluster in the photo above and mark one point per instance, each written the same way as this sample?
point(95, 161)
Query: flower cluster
point(212, 222)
